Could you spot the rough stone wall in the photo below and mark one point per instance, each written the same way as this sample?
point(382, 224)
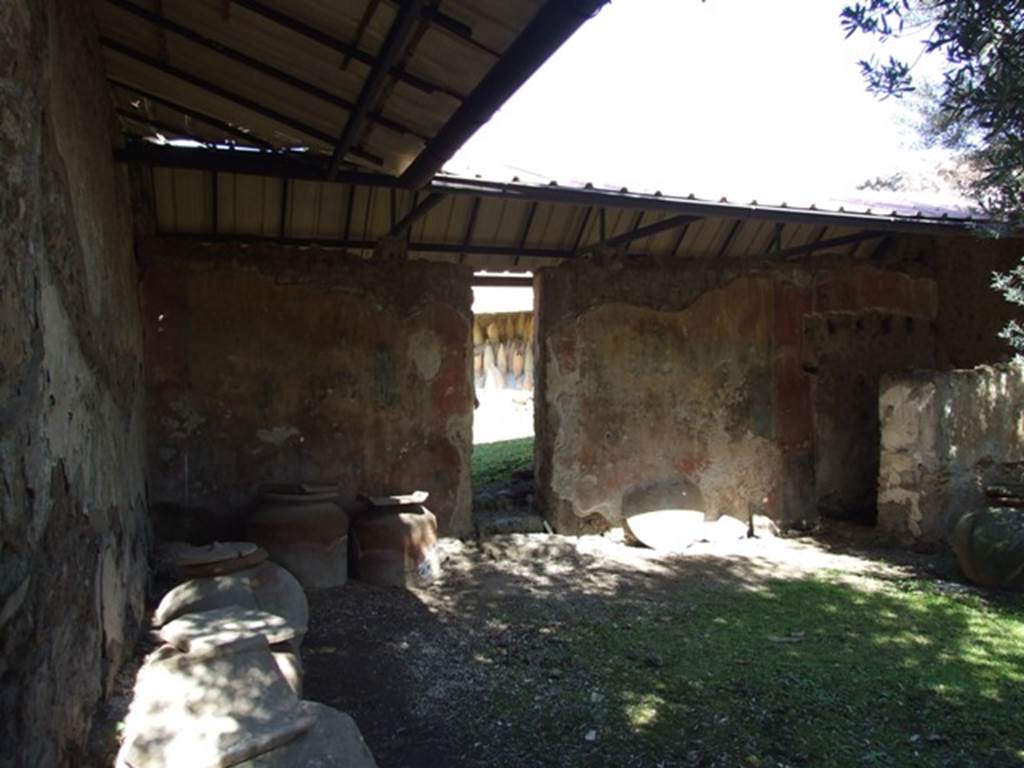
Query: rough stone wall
point(72, 485)
point(651, 376)
point(266, 365)
point(945, 436)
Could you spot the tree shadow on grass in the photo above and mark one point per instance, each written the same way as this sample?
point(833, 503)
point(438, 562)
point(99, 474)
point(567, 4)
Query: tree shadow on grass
point(537, 654)
point(810, 672)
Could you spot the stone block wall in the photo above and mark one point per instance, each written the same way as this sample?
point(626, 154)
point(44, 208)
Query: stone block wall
point(945, 436)
point(268, 365)
point(73, 533)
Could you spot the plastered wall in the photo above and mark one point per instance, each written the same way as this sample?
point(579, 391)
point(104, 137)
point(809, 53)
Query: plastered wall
point(271, 366)
point(758, 386)
point(651, 376)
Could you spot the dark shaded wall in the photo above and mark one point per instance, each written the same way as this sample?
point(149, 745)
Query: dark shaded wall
point(862, 322)
point(270, 365)
point(939, 313)
point(73, 535)
point(758, 385)
point(970, 314)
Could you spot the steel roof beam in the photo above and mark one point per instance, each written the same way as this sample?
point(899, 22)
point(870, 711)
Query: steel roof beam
point(364, 22)
point(451, 249)
point(499, 251)
point(421, 209)
point(733, 231)
point(775, 244)
point(526, 227)
point(227, 95)
point(638, 233)
point(582, 229)
point(323, 38)
point(651, 229)
point(552, 25)
point(393, 47)
point(453, 26)
point(278, 164)
point(698, 208)
point(679, 240)
point(258, 65)
point(458, 249)
point(470, 228)
point(818, 245)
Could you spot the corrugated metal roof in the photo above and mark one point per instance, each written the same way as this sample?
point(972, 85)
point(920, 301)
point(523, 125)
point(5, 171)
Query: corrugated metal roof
point(512, 226)
point(289, 73)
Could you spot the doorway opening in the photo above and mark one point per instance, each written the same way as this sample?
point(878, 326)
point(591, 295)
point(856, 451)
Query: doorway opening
point(848, 353)
point(504, 354)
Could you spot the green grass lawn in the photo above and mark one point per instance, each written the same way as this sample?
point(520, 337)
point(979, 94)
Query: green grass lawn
point(801, 673)
point(497, 461)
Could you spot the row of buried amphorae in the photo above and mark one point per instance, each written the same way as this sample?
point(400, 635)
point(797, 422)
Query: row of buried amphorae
point(503, 351)
point(386, 540)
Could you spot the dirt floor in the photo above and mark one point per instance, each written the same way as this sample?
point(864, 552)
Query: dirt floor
point(420, 670)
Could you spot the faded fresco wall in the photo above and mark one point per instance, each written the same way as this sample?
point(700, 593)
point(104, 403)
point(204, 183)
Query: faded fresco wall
point(650, 376)
point(945, 436)
point(73, 540)
point(759, 387)
point(271, 365)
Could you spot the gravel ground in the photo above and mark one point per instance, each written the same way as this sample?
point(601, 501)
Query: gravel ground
point(418, 669)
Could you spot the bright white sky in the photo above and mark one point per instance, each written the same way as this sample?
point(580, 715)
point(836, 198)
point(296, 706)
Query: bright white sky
point(739, 98)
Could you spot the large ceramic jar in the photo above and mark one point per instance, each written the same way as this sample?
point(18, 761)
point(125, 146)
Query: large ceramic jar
point(989, 545)
point(394, 546)
point(304, 531)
